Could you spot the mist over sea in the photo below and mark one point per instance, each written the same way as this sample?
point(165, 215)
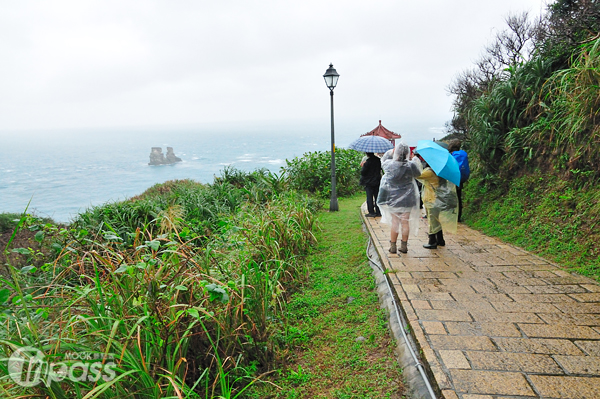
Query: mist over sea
point(65, 172)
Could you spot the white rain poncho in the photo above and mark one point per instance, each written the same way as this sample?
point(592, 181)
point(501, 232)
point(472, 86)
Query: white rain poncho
point(398, 193)
point(440, 201)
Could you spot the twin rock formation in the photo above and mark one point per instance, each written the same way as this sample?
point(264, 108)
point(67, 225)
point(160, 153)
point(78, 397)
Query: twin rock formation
point(158, 158)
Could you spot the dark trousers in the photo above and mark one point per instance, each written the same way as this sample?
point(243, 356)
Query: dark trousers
point(372, 192)
point(459, 195)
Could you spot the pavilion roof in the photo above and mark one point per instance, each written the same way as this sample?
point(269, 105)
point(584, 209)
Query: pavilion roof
point(382, 132)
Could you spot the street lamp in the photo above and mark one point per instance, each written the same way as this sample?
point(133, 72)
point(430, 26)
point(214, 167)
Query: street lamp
point(331, 78)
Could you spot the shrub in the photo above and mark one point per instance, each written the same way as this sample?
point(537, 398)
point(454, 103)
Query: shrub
point(312, 172)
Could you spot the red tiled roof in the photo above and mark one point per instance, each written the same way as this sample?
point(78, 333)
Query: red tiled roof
point(382, 132)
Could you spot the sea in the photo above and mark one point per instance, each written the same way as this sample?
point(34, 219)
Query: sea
point(59, 174)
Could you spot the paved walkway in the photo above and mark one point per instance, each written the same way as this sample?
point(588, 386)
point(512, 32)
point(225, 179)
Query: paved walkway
point(494, 321)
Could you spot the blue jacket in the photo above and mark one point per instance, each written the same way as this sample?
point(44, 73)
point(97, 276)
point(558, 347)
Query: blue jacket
point(463, 163)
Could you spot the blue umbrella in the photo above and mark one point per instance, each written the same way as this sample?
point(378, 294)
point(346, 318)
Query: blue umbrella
point(440, 160)
point(373, 144)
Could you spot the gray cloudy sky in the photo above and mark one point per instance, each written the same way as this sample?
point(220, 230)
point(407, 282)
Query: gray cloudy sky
point(84, 63)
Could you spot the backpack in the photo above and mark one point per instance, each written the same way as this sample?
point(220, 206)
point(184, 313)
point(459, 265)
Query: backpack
point(463, 164)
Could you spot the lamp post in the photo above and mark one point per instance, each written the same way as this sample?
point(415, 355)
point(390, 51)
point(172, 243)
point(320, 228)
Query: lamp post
point(331, 78)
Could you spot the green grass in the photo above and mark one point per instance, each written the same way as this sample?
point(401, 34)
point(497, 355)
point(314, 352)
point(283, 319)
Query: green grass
point(541, 213)
point(182, 315)
point(325, 360)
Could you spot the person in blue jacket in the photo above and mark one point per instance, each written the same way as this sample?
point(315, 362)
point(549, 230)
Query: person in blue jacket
point(463, 163)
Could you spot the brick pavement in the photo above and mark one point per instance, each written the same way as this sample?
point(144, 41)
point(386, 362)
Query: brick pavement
point(494, 321)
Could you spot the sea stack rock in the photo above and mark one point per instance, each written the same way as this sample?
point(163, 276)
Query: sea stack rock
point(158, 158)
point(171, 157)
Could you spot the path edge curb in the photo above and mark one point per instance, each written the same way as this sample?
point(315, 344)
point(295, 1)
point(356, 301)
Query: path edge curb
point(415, 332)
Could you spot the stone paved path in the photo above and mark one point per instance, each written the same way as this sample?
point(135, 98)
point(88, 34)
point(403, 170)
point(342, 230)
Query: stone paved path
point(494, 321)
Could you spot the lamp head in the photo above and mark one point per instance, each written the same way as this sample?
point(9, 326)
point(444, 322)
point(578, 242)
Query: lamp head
point(331, 77)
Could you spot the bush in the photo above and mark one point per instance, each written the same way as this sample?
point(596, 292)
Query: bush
point(312, 172)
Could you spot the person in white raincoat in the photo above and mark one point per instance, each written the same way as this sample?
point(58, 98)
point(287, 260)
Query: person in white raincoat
point(441, 204)
point(398, 198)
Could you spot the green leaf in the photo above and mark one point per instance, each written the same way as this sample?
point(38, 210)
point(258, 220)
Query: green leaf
point(122, 269)
point(4, 294)
point(28, 269)
point(216, 292)
point(43, 312)
point(154, 244)
point(22, 251)
point(112, 237)
point(39, 236)
point(181, 288)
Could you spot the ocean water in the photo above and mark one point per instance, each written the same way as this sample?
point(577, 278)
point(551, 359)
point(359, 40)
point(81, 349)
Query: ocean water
point(64, 173)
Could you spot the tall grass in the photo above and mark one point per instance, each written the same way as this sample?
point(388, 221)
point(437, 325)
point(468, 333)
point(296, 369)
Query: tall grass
point(182, 288)
point(573, 129)
point(540, 117)
point(499, 117)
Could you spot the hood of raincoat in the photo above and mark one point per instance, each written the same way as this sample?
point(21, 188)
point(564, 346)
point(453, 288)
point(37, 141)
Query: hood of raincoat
point(397, 167)
point(401, 152)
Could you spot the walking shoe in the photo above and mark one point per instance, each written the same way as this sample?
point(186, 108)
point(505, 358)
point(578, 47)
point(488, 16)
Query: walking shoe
point(439, 237)
point(393, 248)
point(370, 215)
point(432, 244)
point(403, 248)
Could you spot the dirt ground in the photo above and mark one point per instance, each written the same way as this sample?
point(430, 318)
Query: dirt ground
point(23, 239)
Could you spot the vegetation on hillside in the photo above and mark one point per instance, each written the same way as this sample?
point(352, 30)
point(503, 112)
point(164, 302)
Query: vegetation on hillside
point(533, 99)
point(528, 113)
point(179, 289)
point(178, 292)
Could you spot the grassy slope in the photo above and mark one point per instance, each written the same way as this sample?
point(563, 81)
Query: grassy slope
point(543, 214)
point(327, 362)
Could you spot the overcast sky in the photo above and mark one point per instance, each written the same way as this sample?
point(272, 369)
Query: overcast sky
point(144, 63)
